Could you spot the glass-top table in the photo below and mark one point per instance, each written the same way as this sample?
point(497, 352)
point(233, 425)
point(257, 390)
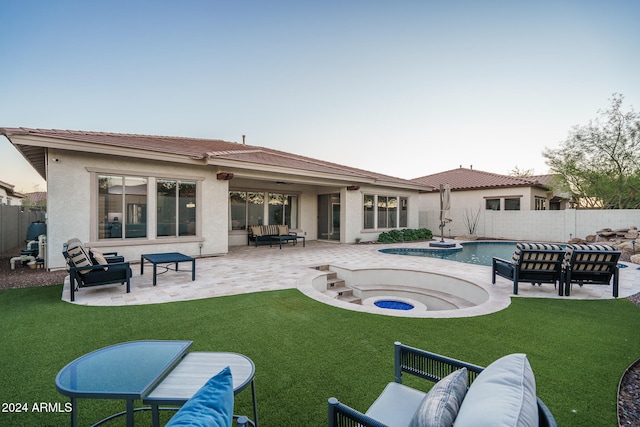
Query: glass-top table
point(158, 372)
point(127, 371)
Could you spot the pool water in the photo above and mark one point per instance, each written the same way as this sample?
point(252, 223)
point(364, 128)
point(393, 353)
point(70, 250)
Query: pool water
point(480, 253)
point(393, 305)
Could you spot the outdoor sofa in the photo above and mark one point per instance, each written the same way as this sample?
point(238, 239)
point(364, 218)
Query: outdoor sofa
point(92, 268)
point(534, 263)
point(503, 394)
point(590, 265)
point(269, 233)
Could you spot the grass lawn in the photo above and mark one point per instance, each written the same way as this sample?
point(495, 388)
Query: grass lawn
point(306, 352)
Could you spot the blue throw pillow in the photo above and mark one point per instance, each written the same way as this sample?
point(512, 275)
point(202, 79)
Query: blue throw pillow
point(212, 405)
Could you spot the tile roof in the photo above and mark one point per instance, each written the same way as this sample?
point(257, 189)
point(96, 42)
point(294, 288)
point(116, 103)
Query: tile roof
point(199, 148)
point(471, 179)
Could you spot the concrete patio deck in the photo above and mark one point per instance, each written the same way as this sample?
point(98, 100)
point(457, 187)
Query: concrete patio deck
point(248, 269)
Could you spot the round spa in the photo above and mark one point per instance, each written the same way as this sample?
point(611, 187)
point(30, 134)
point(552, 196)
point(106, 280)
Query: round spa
point(389, 289)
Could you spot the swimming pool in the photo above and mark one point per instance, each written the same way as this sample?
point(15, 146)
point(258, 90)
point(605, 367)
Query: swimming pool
point(480, 253)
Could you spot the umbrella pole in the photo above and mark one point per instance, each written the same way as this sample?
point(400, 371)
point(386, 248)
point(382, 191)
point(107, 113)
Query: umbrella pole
point(441, 213)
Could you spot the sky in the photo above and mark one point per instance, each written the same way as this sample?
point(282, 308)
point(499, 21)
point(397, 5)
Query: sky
point(404, 88)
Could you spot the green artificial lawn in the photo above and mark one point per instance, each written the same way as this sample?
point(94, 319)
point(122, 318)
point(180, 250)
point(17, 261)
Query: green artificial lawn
point(306, 352)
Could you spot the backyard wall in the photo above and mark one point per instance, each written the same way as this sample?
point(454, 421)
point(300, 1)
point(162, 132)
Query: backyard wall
point(13, 226)
point(544, 226)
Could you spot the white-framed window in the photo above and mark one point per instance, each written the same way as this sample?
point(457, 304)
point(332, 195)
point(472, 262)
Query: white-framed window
point(511, 204)
point(369, 211)
point(122, 207)
point(247, 208)
point(492, 204)
point(384, 211)
point(540, 203)
point(176, 208)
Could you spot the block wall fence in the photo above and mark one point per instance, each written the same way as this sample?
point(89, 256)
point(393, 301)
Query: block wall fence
point(543, 226)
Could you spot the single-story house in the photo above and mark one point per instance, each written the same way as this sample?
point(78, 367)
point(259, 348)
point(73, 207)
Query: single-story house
point(478, 189)
point(8, 195)
point(473, 191)
point(140, 194)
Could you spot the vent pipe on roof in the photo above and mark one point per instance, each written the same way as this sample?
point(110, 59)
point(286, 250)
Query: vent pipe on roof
point(243, 137)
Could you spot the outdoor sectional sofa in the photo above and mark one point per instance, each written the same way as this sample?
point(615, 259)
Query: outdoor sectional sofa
point(501, 395)
point(269, 233)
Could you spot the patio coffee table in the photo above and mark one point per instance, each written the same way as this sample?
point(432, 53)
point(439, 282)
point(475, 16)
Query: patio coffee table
point(158, 372)
point(167, 258)
point(286, 238)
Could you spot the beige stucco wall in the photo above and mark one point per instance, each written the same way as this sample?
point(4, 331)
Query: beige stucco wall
point(355, 213)
point(468, 203)
point(72, 205)
point(541, 226)
point(69, 206)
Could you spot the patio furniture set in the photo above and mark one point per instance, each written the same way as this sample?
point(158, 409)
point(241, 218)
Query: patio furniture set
point(538, 263)
point(259, 234)
point(469, 394)
point(199, 385)
point(89, 267)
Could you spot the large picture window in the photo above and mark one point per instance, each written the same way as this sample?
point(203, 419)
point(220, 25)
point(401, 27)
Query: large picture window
point(176, 204)
point(369, 213)
point(247, 208)
point(384, 211)
point(122, 207)
point(283, 209)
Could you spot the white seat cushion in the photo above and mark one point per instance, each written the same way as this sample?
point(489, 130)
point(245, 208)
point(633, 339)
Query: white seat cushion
point(503, 395)
point(396, 405)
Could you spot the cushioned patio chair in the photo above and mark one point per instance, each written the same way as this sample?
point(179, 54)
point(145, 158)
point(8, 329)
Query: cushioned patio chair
point(590, 265)
point(91, 268)
point(534, 263)
point(501, 395)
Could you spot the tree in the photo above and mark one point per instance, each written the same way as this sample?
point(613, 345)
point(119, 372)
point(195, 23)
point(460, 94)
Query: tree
point(599, 163)
point(521, 173)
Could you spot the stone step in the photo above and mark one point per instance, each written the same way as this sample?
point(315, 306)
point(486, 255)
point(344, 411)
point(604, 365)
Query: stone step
point(343, 294)
point(339, 292)
point(335, 283)
point(351, 299)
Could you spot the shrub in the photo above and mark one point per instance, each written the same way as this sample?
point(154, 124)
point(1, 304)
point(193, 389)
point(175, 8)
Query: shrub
point(406, 235)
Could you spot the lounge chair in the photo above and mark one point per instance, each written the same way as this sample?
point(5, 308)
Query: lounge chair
point(534, 263)
point(498, 395)
point(92, 268)
point(590, 265)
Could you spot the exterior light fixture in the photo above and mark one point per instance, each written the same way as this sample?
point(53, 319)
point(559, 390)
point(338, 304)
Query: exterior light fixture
point(224, 176)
